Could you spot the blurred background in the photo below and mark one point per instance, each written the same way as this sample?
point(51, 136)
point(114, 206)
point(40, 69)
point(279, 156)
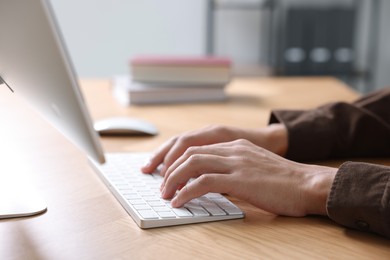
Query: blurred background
point(348, 39)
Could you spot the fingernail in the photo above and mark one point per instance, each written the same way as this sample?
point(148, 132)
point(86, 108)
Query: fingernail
point(147, 164)
point(174, 202)
point(163, 192)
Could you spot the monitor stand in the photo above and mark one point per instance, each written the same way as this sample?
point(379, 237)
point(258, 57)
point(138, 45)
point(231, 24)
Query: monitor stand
point(19, 199)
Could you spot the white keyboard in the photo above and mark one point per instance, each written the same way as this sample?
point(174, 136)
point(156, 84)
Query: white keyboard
point(139, 194)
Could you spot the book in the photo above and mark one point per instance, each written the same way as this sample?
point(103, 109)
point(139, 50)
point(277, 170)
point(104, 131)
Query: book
point(181, 70)
point(130, 92)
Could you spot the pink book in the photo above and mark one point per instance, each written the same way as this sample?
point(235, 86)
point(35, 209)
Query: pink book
point(181, 61)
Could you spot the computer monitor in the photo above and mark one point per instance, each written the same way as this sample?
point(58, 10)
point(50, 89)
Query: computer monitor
point(34, 62)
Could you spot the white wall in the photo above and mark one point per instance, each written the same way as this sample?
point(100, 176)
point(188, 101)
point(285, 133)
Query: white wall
point(103, 34)
point(240, 34)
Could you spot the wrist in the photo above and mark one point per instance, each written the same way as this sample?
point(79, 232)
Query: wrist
point(318, 189)
point(277, 139)
point(274, 137)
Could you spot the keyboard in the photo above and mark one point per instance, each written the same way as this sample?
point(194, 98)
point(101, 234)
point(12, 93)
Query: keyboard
point(139, 194)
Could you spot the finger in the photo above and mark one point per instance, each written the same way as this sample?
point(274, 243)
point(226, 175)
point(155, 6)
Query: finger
point(200, 137)
point(221, 149)
point(177, 150)
point(219, 183)
point(195, 166)
point(158, 157)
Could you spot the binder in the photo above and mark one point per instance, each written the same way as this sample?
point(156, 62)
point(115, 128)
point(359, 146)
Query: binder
point(319, 51)
point(343, 50)
point(318, 41)
point(294, 54)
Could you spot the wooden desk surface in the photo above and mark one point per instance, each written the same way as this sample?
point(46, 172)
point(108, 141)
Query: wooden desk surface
point(84, 221)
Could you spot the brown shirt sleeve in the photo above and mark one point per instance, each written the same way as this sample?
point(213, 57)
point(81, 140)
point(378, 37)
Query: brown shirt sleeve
point(360, 194)
point(336, 130)
point(360, 197)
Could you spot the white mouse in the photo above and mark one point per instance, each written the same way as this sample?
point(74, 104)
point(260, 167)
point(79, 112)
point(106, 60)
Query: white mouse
point(124, 126)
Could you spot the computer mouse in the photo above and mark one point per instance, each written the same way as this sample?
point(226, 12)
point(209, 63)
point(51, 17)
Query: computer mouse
point(124, 126)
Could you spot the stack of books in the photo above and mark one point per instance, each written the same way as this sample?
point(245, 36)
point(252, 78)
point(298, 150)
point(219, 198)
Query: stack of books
point(156, 80)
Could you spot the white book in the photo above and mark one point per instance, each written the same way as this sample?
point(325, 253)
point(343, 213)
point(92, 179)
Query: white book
point(129, 92)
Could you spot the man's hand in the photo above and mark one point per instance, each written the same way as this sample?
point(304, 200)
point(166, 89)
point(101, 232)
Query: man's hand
point(272, 137)
point(251, 173)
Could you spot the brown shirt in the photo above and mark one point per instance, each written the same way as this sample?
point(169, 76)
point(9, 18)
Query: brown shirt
point(360, 194)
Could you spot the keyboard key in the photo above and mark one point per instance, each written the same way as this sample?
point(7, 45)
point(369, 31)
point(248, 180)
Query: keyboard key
point(133, 196)
point(166, 214)
point(151, 198)
point(155, 203)
point(161, 208)
point(136, 201)
point(148, 214)
point(146, 193)
point(230, 208)
point(141, 206)
point(198, 212)
point(122, 187)
point(212, 195)
point(182, 212)
point(196, 209)
point(213, 209)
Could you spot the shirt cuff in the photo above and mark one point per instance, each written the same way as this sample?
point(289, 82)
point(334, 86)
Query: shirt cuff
point(360, 197)
point(309, 133)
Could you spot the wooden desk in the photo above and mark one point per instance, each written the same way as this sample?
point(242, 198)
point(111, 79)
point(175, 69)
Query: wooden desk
point(84, 221)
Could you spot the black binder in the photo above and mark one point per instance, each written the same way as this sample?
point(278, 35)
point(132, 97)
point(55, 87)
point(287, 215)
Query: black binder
point(343, 46)
point(293, 52)
point(319, 49)
point(318, 41)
